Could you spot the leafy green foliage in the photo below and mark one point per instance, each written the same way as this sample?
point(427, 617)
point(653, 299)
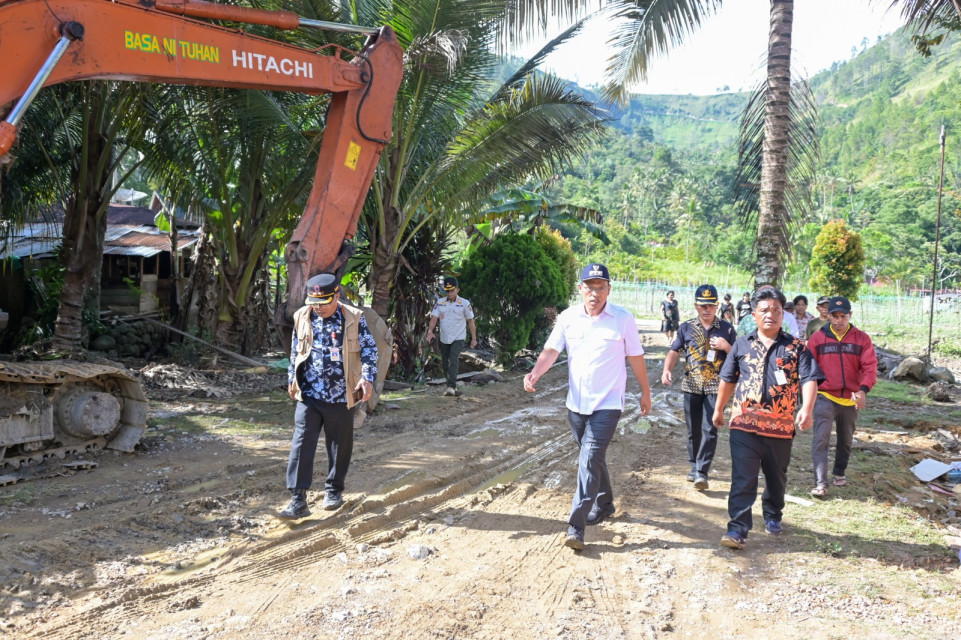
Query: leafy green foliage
point(837, 262)
point(509, 282)
point(559, 250)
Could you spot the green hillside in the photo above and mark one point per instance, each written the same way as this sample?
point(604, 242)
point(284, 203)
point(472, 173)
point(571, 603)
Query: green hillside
point(664, 177)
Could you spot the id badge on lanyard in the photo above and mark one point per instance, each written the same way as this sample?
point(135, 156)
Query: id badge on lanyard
point(334, 349)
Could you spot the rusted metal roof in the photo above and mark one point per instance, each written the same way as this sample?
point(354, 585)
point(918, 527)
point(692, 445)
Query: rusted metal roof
point(136, 242)
point(40, 241)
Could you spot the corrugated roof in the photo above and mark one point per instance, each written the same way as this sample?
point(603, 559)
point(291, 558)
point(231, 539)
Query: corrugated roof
point(29, 248)
point(136, 242)
point(37, 241)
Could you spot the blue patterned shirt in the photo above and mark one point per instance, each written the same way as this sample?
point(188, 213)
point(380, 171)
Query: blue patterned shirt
point(323, 372)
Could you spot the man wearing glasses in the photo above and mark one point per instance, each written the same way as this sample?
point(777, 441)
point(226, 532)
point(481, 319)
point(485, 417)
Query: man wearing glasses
point(705, 342)
point(333, 364)
point(599, 337)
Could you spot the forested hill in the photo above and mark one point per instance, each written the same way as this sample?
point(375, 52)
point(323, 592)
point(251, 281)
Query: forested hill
point(664, 177)
point(707, 124)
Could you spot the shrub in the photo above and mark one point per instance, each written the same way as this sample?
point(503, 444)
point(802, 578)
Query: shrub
point(509, 282)
point(837, 262)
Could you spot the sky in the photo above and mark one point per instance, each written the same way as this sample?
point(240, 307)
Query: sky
point(729, 48)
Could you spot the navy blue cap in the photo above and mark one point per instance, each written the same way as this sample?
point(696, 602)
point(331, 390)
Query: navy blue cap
point(595, 272)
point(839, 303)
point(706, 294)
point(321, 289)
point(450, 283)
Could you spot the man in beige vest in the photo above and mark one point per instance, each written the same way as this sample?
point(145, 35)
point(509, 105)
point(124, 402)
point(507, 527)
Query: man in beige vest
point(333, 363)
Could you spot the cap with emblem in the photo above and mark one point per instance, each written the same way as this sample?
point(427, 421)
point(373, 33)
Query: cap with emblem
point(321, 289)
point(450, 283)
point(839, 303)
point(823, 300)
point(595, 272)
point(706, 294)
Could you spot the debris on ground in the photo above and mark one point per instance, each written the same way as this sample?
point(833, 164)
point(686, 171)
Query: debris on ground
point(166, 381)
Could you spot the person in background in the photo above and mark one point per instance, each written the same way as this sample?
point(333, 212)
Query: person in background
point(743, 307)
point(822, 319)
point(802, 315)
point(766, 372)
point(670, 316)
point(790, 321)
point(599, 338)
point(333, 365)
point(726, 309)
point(455, 316)
point(705, 341)
point(846, 356)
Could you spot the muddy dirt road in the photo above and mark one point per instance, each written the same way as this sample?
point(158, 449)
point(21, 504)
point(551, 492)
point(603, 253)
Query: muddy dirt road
point(452, 529)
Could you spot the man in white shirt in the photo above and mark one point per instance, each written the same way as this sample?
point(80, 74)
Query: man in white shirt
point(456, 316)
point(598, 337)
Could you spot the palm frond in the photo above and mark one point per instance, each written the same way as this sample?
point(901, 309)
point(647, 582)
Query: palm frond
point(803, 158)
point(534, 132)
point(645, 28)
point(535, 61)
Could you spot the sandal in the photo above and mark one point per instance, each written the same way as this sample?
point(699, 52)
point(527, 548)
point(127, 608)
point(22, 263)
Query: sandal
point(819, 491)
point(840, 481)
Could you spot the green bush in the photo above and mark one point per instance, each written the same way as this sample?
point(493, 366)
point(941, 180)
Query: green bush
point(509, 282)
point(837, 261)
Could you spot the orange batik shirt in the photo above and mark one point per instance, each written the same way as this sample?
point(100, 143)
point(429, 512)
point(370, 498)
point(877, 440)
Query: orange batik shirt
point(769, 382)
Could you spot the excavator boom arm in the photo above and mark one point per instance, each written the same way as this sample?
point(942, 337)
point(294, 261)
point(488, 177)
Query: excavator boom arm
point(157, 41)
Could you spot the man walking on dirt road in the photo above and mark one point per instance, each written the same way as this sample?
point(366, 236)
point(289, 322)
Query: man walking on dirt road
point(333, 365)
point(706, 341)
point(598, 337)
point(455, 316)
point(765, 371)
point(846, 356)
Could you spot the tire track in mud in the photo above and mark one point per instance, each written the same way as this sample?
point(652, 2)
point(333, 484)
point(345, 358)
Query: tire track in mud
point(374, 519)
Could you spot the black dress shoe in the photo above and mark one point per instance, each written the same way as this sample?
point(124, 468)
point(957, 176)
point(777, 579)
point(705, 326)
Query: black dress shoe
point(600, 514)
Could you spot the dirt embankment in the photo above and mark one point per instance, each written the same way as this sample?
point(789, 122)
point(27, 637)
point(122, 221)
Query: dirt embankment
point(452, 529)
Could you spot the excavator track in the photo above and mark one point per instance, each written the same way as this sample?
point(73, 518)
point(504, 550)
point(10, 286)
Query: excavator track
point(60, 453)
point(55, 409)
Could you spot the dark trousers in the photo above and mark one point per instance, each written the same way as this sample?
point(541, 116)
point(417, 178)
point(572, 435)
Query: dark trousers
point(592, 433)
point(449, 360)
point(827, 414)
point(701, 432)
point(751, 453)
point(337, 422)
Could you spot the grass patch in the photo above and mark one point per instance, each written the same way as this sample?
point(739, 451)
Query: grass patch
point(21, 493)
point(864, 527)
point(897, 392)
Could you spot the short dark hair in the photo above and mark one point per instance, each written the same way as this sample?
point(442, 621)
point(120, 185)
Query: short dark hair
point(768, 292)
point(670, 293)
point(727, 296)
point(801, 298)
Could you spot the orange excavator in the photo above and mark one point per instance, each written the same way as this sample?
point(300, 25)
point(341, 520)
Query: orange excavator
point(68, 407)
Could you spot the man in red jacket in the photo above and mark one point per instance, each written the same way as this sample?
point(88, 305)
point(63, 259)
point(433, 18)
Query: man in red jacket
point(850, 365)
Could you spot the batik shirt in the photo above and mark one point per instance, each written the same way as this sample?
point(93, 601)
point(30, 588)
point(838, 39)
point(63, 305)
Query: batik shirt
point(323, 372)
point(700, 374)
point(764, 402)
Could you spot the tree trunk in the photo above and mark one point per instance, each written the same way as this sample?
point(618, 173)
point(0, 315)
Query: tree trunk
point(84, 225)
point(384, 265)
point(772, 242)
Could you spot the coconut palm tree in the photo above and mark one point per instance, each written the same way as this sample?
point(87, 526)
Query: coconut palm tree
point(457, 137)
point(247, 173)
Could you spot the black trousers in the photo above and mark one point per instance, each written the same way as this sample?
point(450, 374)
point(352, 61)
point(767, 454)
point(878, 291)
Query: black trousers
point(337, 422)
point(751, 453)
point(701, 432)
point(450, 360)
